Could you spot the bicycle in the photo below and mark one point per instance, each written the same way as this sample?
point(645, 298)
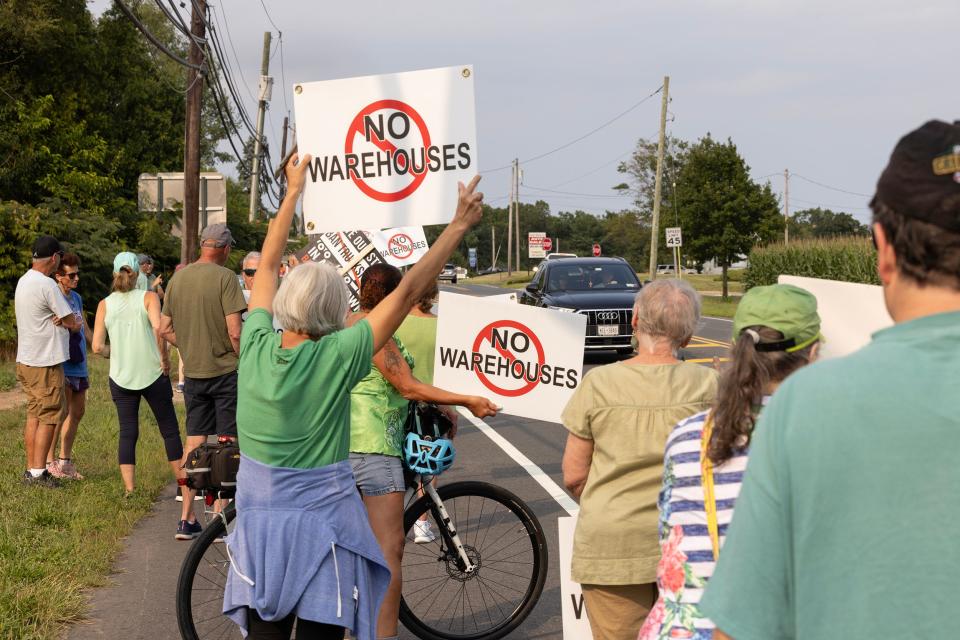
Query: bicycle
point(488, 562)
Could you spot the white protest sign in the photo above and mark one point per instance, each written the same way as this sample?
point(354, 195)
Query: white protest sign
point(387, 150)
point(526, 359)
point(402, 246)
point(849, 313)
point(576, 626)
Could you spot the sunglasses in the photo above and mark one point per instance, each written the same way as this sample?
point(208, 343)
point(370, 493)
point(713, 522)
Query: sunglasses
point(72, 276)
point(250, 272)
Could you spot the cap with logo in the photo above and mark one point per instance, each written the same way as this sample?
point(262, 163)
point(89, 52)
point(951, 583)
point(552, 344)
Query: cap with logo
point(922, 179)
point(216, 235)
point(46, 246)
point(784, 307)
point(126, 259)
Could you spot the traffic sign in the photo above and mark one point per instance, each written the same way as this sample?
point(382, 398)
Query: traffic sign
point(472, 257)
point(596, 250)
point(536, 241)
point(548, 244)
point(674, 237)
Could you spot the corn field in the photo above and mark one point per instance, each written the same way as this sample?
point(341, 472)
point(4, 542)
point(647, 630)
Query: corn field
point(846, 259)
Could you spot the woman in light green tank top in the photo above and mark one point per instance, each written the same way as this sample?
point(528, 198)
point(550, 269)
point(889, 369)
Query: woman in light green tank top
point(140, 368)
point(378, 410)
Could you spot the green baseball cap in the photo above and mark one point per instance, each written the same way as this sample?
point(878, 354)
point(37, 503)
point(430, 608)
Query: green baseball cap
point(790, 310)
point(126, 259)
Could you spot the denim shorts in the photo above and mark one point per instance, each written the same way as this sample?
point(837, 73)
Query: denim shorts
point(377, 474)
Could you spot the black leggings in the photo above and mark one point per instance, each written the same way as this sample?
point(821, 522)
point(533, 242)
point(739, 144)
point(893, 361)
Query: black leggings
point(260, 629)
point(159, 396)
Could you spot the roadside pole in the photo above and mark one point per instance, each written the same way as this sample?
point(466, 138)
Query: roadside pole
point(655, 223)
point(513, 183)
point(786, 206)
point(264, 91)
point(191, 151)
point(516, 210)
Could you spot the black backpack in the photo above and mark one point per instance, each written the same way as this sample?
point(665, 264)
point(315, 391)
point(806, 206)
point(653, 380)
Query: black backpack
point(213, 468)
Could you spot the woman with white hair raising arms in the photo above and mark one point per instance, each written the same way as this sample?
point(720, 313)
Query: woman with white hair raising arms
point(303, 551)
point(619, 420)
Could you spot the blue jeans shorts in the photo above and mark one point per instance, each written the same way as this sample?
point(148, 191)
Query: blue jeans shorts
point(377, 474)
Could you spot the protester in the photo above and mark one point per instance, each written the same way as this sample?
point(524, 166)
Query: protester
point(201, 317)
point(44, 319)
point(776, 330)
point(147, 279)
point(302, 546)
point(74, 371)
point(418, 333)
point(844, 526)
point(378, 412)
point(249, 269)
point(619, 419)
point(140, 368)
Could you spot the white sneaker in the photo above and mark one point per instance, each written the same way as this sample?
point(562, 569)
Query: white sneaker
point(179, 497)
point(422, 532)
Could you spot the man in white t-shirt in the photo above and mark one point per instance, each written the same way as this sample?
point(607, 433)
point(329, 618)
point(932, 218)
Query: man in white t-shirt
point(43, 320)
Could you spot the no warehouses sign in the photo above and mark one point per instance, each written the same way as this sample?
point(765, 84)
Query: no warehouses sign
point(387, 151)
point(526, 359)
point(674, 237)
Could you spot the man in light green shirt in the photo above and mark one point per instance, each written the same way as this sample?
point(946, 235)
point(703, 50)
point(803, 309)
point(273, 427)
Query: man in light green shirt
point(845, 527)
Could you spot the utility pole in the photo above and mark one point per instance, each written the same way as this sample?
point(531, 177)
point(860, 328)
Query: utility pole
point(516, 207)
point(655, 223)
point(513, 183)
point(191, 153)
point(786, 206)
point(493, 247)
point(265, 87)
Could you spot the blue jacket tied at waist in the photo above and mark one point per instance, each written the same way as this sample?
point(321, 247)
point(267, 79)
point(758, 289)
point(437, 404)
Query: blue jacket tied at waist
point(303, 544)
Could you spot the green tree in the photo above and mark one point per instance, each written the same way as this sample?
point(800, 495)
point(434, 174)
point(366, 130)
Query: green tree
point(824, 223)
point(722, 211)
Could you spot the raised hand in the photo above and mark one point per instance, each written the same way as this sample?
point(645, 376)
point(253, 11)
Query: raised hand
point(470, 203)
point(296, 172)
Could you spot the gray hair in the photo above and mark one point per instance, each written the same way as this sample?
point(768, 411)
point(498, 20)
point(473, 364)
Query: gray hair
point(667, 309)
point(250, 256)
point(312, 299)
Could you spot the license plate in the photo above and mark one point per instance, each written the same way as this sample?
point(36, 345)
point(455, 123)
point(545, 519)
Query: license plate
point(608, 330)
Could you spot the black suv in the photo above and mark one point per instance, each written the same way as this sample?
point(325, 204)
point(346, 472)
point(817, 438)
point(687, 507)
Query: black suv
point(603, 289)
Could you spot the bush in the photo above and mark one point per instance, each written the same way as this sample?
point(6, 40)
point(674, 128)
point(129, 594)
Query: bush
point(845, 259)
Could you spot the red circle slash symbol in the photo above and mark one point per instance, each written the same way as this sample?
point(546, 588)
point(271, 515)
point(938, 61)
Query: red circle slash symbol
point(356, 129)
point(400, 246)
point(487, 334)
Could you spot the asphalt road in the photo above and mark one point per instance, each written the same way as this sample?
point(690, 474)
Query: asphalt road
point(139, 602)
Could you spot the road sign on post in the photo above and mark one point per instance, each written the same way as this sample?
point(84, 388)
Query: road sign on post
point(548, 244)
point(472, 257)
point(596, 250)
point(674, 237)
point(536, 241)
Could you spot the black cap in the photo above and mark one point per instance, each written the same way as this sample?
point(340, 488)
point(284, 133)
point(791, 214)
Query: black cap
point(46, 246)
point(922, 179)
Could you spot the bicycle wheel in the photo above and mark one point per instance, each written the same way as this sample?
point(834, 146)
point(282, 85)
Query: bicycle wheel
point(203, 577)
point(504, 541)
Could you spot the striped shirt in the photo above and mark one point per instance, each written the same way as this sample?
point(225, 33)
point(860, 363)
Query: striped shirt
point(687, 561)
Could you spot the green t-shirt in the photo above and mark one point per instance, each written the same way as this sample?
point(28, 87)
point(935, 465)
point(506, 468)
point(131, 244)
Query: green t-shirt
point(419, 336)
point(378, 413)
point(844, 527)
point(198, 299)
point(293, 405)
point(628, 411)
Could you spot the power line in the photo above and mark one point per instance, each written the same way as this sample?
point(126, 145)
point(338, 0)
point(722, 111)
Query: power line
point(828, 206)
point(153, 39)
point(583, 195)
point(593, 171)
point(827, 186)
point(268, 16)
point(583, 137)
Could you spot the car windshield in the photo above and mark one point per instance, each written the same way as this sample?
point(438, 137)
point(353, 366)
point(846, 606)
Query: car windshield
point(599, 276)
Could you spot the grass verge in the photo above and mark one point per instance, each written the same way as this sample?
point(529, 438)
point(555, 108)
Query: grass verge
point(720, 307)
point(8, 375)
point(517, 280)
point(57, 543)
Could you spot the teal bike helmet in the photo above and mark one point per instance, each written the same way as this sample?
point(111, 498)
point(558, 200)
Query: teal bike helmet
point(426, 450)
point(428, 457)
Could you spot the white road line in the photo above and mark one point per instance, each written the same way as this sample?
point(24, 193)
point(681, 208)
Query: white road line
point(716, 318)
point(538, 474)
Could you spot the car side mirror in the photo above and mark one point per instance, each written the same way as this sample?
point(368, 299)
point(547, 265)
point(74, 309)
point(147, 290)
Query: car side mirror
point(531, 288)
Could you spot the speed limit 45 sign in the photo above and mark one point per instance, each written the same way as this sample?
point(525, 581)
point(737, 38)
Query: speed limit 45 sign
point(674, 237)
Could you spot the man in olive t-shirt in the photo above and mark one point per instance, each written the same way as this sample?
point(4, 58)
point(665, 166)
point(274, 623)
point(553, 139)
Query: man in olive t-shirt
point(201, 317)
point(846, 523)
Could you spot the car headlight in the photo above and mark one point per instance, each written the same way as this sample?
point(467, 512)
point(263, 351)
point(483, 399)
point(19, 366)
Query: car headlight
point(567, 309)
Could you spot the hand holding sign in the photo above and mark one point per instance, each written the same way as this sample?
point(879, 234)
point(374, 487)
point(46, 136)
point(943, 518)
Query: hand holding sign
point(481, 407)
point(296, 171)
point(469, 203)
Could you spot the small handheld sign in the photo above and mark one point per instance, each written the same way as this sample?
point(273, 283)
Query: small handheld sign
point(386, 150)
point(529, 360)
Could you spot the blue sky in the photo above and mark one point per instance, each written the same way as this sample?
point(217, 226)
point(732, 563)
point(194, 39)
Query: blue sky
point(822, 88)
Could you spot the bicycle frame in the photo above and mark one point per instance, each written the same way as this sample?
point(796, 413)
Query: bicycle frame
point(447, 528)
